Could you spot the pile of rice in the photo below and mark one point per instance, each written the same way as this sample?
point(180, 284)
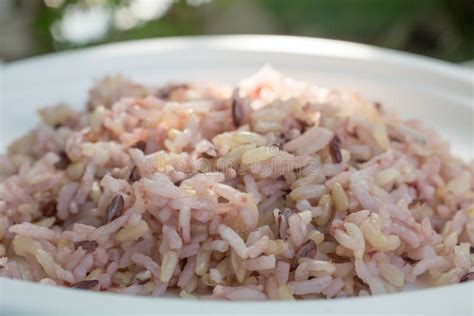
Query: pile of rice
point(276, 189)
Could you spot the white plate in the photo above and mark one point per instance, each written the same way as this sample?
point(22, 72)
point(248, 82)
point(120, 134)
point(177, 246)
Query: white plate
point(440, 94)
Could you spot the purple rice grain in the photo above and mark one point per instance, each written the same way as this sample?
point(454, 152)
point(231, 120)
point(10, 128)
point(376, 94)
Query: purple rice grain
point(165, 92)
point(115, 207)
point(49, 208)
point(467, 277)
point(335, 149)
point(237, 112)
point(88, 245)
point(85, 285)
point(308, 249)
point(134, 175)
point(360, 285)
point(63, 162)
point(410, 260)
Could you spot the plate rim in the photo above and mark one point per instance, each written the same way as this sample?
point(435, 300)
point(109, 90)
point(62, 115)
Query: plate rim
point(338, 48)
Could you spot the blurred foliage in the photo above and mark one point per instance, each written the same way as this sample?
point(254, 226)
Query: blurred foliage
point(437, 28)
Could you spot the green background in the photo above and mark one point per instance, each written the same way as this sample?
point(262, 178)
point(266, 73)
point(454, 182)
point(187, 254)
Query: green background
point(438, 28)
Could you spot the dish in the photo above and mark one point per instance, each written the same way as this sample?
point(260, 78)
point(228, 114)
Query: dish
point(278, 190)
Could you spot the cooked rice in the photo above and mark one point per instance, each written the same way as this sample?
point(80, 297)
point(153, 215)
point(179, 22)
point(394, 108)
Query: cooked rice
point(276, 190)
